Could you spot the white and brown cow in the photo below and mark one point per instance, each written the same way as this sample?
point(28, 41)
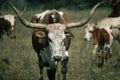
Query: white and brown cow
point(111, 24)
point(51, 39)
point(103, 40)
point(7, 25)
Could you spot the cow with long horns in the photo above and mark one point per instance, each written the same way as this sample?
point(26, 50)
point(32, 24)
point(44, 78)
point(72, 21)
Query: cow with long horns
point(50, 40)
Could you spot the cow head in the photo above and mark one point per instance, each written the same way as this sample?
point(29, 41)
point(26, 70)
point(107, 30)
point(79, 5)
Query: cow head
point(56, 37)
point(11, 29)
point(55, 34)
point(88, 31)
point(56, 29)
point(8, 21)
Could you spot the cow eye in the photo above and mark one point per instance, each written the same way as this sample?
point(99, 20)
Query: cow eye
point(49, 40)
point(63, 41)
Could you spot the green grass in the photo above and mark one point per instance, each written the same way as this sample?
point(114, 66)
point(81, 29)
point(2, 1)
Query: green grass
point(18, 61)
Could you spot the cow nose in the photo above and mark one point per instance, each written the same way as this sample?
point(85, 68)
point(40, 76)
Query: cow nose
point(85, 39)
point(13, 37)
point(57, 58)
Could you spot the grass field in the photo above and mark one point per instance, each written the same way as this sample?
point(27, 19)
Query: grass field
point(18, 61)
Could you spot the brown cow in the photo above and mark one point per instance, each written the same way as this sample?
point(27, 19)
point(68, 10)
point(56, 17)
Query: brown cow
point(50, 39)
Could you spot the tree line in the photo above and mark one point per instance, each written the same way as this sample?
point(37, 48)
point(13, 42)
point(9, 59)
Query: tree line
point(47, 4)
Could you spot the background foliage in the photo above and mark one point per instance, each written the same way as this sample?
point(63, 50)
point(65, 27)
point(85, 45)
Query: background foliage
point(48, 4)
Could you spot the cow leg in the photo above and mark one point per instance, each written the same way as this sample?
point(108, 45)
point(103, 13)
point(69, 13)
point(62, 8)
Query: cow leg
point(40, 67)
point(51, 74)
point(100, 58)
point(107, 54)
point(41, 74)
point(95, 49)
point(64, 68)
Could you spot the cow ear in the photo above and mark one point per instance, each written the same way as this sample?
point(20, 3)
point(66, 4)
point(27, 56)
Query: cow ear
point(69, 35)
point(40, 34)
point(45, 19)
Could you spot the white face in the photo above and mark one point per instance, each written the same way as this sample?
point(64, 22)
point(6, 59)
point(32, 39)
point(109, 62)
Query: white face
point(88, 34)
point(10, 18)
point(56, 41)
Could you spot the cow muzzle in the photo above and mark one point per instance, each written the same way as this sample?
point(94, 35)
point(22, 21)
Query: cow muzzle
point(86, 39)
point(57, 58)
point(13, 37)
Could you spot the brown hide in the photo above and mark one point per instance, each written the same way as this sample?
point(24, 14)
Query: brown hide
point(39, 42)
point(101, 36)
point(5, 26)
point(115, 8)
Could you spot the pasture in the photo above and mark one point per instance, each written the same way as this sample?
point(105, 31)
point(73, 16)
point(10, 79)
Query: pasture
point(18, 61)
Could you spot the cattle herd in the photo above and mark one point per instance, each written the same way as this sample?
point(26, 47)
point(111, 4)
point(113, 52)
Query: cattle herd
point(51, 36)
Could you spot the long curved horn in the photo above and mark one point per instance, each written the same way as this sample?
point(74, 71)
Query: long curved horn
point(22, 13)
point(24, 10)
point(24, 21)
point(86, 20)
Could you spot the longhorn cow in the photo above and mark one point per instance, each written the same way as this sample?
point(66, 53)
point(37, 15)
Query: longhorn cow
point(7, 25)
point(50, 38)
point(103, 40)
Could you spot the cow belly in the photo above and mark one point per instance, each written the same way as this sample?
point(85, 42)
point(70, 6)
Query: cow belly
point(46, 58)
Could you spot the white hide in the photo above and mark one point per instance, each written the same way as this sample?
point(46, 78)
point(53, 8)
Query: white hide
point(89, 28)
point(56, 35)
point(46, 12)
point(42, 14)
point(10, 18)
point(109, 22)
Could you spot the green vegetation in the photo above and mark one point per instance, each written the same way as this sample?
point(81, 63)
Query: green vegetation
point(18, 61)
